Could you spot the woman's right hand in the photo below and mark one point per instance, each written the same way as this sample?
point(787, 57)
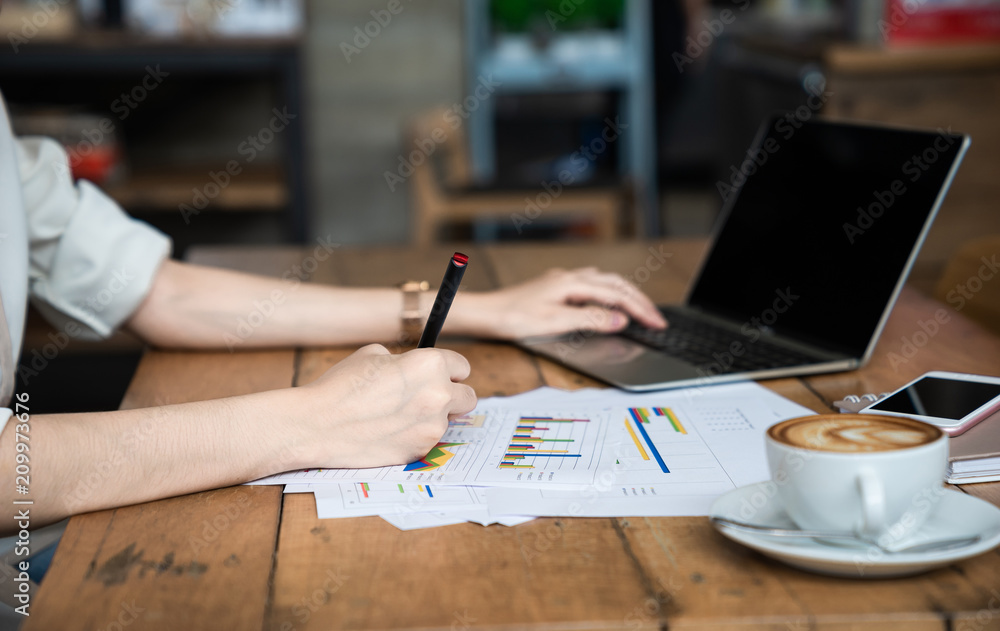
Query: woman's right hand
point(374, 409)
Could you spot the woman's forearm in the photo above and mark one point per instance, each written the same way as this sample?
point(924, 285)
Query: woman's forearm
point(192, 306)
point(85, 462)
point(372, 409)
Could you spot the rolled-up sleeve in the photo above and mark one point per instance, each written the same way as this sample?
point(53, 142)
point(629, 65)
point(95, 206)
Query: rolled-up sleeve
point(91, 265)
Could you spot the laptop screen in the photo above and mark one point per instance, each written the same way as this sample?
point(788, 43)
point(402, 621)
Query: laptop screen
point(821, 227)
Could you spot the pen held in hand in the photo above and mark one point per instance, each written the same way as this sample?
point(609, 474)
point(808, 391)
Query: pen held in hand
point(445, 296)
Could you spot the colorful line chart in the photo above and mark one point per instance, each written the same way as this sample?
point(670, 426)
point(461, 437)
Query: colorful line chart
point(660, 444)
point(673, 455)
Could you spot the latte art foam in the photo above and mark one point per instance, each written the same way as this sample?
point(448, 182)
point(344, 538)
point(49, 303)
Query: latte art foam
point(853, 433)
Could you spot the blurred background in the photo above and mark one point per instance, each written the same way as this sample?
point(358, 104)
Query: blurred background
point(418, 121)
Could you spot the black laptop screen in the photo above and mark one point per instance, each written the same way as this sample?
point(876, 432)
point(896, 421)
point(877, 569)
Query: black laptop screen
point(817, 235)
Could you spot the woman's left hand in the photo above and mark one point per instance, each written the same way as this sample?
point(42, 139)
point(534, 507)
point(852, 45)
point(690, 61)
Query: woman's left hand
point(559, 301)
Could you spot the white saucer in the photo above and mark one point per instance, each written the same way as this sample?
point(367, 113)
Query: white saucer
point(957, 515)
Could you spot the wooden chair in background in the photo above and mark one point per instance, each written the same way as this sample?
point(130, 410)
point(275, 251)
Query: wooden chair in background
point(442, 189)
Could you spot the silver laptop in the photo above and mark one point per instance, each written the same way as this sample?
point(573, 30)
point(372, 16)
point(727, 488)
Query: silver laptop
point(820, 226)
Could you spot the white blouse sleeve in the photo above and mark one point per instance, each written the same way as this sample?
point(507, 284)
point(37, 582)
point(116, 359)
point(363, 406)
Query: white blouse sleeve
point(90, 264)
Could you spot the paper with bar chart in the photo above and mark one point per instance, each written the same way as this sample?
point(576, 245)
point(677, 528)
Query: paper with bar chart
point(379, 498)
point(494, 446)
point(547, 449)
point(673, 456)
point(550, 452)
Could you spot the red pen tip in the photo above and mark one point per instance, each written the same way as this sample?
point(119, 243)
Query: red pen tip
point(459, 259)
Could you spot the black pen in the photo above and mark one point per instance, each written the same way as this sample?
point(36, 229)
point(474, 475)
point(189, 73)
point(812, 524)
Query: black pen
point(442, 303)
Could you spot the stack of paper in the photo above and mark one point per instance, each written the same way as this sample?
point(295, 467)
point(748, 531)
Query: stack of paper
point(550, 452)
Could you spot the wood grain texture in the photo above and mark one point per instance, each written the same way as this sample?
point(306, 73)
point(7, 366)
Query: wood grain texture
point(639, 573)
point(403, 579)
point(660, 268)
point(180, 562)
point(270, 261)
point(389, 266)
point(364, 574)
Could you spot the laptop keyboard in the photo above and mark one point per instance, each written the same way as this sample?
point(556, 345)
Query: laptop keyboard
point(707, 346)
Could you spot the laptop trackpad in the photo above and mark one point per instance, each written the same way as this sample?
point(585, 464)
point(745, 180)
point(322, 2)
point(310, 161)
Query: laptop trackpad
point(615, 359)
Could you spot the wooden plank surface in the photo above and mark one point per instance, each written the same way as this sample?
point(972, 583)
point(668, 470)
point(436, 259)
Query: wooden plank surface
point(161, 560)
point(444, 577)
point(179, 563)
point(702, 580)
point(660, 573)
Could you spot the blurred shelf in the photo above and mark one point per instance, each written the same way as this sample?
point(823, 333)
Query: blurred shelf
point(117, 39)
point(260, 189)
point(573, 61)
point(112, 51)
point(94, 70)
point(851, 59)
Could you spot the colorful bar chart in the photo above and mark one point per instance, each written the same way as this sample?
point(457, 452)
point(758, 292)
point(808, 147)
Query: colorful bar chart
point(469, 420)
point(641, 417)
point(530, 441)
point(366, 490)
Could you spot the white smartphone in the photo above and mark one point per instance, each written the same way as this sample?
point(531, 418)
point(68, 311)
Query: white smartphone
point(953, 401)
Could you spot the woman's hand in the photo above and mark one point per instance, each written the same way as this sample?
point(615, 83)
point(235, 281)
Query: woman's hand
point(375, 409)
point(558, 301)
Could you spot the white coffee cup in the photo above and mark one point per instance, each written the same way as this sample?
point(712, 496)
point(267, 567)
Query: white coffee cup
point(877, 476)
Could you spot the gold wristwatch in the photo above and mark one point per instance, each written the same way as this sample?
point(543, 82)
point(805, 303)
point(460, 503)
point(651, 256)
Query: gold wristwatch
point(411, 318)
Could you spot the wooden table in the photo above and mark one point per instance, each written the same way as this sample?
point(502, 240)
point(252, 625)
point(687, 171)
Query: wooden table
point(251, 558)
